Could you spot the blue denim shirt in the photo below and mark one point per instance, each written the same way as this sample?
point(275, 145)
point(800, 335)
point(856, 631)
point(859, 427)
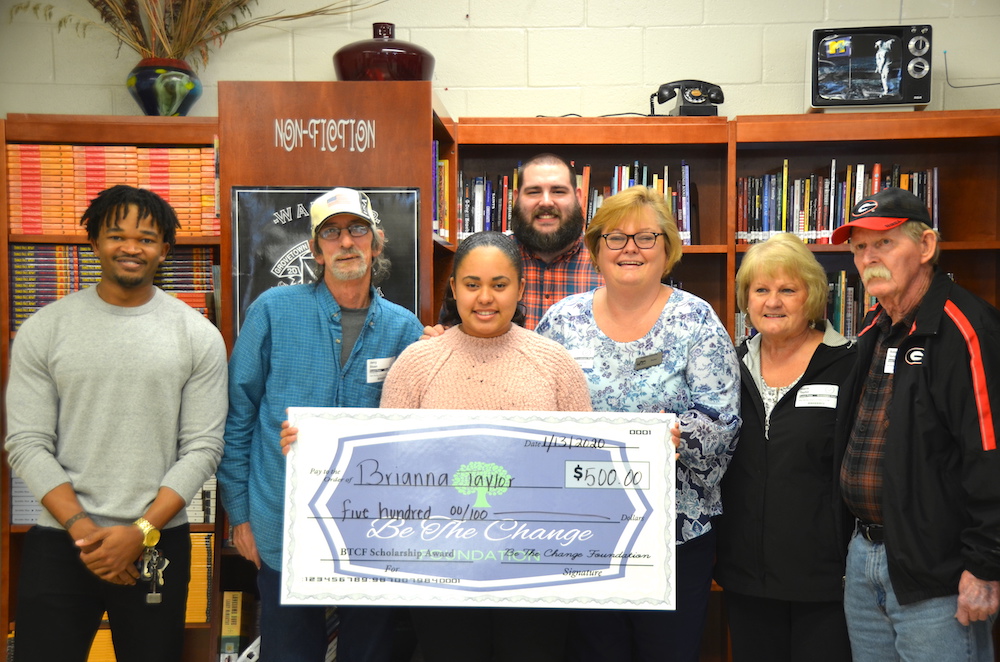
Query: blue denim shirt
point(288, 355)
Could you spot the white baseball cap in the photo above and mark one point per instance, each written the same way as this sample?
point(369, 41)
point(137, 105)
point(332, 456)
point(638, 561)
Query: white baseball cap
point(342, 201)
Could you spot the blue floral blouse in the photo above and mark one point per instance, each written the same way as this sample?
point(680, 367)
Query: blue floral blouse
point(698, 379)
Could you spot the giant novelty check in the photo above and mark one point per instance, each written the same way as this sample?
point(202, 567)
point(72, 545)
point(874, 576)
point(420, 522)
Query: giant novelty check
point(479, 508)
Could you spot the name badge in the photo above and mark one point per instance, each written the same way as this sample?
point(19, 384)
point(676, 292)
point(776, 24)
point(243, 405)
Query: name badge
point(817, 395)
point(584, 357)
point(649, 361)
point(378, 369)
point(890, 361)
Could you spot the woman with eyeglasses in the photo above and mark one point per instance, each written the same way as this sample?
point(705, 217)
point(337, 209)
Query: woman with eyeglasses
point(648, 347)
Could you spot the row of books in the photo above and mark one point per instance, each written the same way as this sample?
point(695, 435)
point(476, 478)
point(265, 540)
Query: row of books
point(43, 273)
point(846, 306)
point(50, 186)
point(486, 202)
point(202, 507)
point(439, 194)
point(814, 206)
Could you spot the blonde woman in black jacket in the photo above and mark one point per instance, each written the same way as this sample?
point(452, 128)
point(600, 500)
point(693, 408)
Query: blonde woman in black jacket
point(780, 556)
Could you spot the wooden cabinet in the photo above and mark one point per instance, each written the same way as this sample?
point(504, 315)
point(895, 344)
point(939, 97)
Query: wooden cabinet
point(408, 121)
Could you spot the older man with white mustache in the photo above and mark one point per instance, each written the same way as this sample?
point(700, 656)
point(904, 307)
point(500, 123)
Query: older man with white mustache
point(920, 458)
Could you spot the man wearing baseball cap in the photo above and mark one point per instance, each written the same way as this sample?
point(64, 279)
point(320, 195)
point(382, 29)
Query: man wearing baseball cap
point(323, 344)
point(921, 468)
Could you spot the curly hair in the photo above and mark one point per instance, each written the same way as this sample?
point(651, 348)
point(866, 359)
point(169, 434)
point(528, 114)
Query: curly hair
point(112, 205)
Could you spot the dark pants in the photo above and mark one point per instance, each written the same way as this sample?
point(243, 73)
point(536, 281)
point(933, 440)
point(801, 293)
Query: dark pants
point(765, 630)
point(486, 634)
point(291, 633)
point(60, 603)
point(660, 636)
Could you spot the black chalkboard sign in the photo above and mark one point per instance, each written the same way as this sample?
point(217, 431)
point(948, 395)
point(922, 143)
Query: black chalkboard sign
point(271, 232)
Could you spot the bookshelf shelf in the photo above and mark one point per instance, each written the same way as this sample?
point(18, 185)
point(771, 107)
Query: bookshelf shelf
point(82, 239)
point(963, 145)
point(498, 145)
point(96, 131)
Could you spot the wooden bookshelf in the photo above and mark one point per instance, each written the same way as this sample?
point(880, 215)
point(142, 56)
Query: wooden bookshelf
point(201, 638)
point(963, 145)
point(498, 145)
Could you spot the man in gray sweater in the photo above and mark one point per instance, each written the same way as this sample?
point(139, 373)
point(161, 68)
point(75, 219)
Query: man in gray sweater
point(116, 407)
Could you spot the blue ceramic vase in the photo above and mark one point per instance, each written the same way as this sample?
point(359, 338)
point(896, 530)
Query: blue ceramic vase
point(164, 86)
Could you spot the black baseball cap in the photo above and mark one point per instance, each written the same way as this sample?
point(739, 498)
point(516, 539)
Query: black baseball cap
point(885, 210)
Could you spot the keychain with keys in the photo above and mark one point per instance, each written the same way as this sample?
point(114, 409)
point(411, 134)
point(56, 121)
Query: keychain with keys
point(153, 564)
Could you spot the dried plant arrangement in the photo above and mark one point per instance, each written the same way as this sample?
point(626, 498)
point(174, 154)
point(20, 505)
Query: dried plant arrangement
point(177, 29)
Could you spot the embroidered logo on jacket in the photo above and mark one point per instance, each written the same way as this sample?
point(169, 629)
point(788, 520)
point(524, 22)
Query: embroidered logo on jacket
point(915, 356)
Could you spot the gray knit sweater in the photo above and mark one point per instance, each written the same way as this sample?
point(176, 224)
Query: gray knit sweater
point(117, 402)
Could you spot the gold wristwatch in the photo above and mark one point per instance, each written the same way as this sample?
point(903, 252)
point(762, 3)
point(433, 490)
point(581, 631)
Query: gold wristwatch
point(150, 534)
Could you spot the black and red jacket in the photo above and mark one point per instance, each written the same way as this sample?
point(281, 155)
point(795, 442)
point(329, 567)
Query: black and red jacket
point(941, 471)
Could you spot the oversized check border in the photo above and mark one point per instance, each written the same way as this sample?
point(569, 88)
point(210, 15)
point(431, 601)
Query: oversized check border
point(479, 508)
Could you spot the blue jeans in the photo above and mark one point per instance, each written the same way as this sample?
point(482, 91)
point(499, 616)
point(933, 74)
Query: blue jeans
point(291, 633)
point(883, 630)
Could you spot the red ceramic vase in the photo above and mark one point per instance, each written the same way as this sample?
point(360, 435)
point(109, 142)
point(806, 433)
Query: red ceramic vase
point(383, 57)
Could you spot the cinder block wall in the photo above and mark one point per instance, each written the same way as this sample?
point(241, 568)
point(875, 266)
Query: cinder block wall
point(524, 57)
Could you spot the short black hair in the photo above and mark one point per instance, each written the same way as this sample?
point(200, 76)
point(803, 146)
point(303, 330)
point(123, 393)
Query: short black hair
point(111, 205)
point(450, 316)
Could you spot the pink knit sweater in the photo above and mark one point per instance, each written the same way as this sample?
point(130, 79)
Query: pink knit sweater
point(519, 370)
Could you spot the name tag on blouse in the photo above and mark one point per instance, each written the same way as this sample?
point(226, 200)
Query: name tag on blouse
point(584, 357)
point(648, 361)
point(817, 395)
point(378, 369)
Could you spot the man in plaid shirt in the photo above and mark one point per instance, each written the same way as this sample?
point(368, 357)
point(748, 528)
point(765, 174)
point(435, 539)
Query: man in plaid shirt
point(547, 221)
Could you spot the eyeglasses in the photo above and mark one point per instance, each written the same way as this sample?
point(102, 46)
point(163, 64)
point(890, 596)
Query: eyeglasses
point(332, 232)
point(617, 240)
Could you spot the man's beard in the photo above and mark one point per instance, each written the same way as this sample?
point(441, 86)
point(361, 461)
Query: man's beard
point(343, 272)
point(127, 282)
point(547, 242)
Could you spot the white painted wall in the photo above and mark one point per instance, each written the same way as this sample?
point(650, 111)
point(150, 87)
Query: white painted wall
point(523, 58)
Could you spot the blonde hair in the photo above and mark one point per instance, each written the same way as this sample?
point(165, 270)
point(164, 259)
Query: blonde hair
point(784, 252)
point(625, 205)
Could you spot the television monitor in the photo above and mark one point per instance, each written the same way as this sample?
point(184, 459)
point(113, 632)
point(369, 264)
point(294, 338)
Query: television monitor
point(871, 66)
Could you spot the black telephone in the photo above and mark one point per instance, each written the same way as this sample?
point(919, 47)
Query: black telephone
point(697, 97)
